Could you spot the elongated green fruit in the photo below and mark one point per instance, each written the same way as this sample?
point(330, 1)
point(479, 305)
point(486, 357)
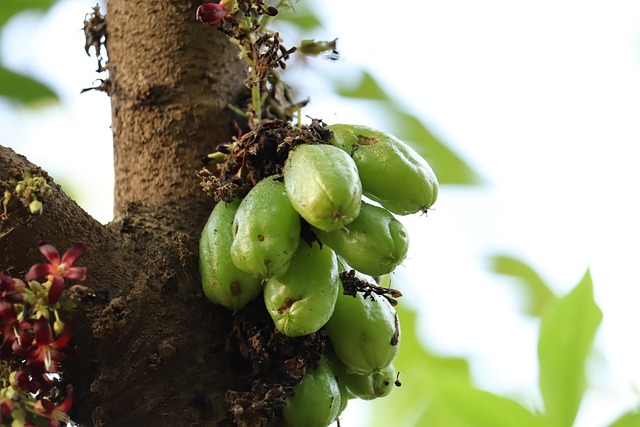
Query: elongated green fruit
point(266, 230)
point(374, 243)
point(301, 301)
point(364, 332)
point(392, 173)
point(323, 185)
point(371, 386)
point(222, 282)
point(316, 399)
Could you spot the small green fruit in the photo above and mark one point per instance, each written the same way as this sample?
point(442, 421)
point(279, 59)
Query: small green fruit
point(301, 301)
point(222, 282)
point(323, 185)
point(374, 243)
point(364, 332)
point(316, 399)
point(392, 173)
point(371, 386)
point(266, 230)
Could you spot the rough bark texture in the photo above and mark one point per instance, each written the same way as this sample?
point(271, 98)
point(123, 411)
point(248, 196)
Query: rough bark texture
point(173, 78)
point(153, 354)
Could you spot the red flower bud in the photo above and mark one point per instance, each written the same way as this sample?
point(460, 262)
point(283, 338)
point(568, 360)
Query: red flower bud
point(210, 13)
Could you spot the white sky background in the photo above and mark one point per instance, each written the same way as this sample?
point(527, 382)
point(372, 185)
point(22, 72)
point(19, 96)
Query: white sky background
point(542, 98)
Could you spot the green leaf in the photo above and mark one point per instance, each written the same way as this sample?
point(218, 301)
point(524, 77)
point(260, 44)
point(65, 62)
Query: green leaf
point(448, 166)
point(24, 89)
point(367, 88)
point(300, 16)
point(630, 419)
point(539, 296)
point(463, 406)
point(10, 8)
point(567, 331)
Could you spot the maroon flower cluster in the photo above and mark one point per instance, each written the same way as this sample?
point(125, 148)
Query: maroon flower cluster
point(35, 339)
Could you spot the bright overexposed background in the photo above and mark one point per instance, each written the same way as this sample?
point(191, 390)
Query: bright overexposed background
point(541, 98)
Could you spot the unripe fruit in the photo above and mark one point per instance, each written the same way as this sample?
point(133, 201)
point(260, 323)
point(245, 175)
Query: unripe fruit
point(301, 301)
point(374, 243)
point(364, 332)
point(316, 399)
point(371, 386)
point(339, 372)
point(323, 185)
point(392, 173)
point(222, 282)
point(266, 230)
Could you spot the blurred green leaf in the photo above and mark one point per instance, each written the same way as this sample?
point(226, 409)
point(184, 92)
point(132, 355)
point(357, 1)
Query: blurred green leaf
point(448, 166)
point(630, 419)
point(539, 296)
point(24, 89)
point(367, 88)
point(420, 373)
point(10, 8)
point(566, 335)
point(437, 391)
point(463, 406)
point(301, 17)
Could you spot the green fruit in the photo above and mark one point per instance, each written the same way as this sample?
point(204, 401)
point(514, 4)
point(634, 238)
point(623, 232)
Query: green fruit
point(323, 185)
point(266, 230)
point(339, 372)
point(371, 386)
point(374, 243)
point(222, 282)
point(392, 173)
point(316, 399)
point(364, 332)
point(301, 301)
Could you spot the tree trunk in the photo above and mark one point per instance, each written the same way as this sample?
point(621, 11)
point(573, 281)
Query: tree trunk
point(154, 353)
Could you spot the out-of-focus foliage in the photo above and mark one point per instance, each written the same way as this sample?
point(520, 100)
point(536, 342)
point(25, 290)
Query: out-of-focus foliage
point(15, 86)
point(566, 335)
point(422, 374)
point(538, 296)
point(437, 390)
point(301, 17)
point(10, 8)
point(448, 166)
point(24, 89)
point(630, 419)
point(456, 406)
point(397, 118)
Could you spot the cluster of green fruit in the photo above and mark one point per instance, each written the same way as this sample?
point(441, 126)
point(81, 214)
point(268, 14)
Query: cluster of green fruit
point(253, 246)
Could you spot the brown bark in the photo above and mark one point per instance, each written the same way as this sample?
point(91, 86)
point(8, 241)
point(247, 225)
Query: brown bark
point(154, 353)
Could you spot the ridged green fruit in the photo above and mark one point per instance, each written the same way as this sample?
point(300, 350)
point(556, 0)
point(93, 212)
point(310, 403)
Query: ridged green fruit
point(364, 332)
point(371, 386)
point(392, 173)
point(316, 399)
point(222, 282)
point(323, 185)
point(266, 230)
point(301, 301)
point(374, 243)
